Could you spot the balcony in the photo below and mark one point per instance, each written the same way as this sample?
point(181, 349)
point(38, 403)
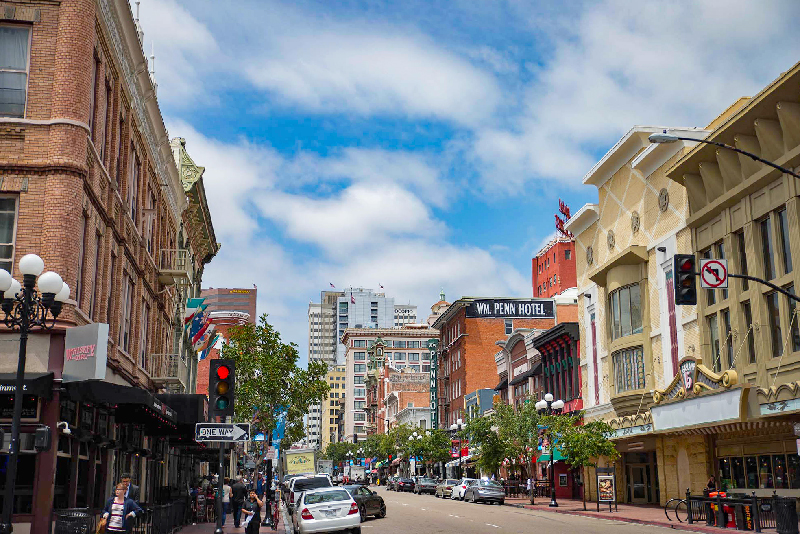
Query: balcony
point(170, 372)
point(174, 267)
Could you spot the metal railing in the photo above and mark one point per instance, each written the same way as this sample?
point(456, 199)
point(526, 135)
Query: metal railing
point(169, 370)
point(174, 265)
point(741, 512)
point(163, 518)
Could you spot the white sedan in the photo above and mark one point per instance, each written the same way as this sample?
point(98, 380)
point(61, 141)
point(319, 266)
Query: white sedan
point(461, 488)
point(326, 510)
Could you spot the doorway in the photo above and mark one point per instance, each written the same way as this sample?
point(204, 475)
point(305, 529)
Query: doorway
point(637, 474)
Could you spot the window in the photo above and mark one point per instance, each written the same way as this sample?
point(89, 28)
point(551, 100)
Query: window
point(113, 272)
point(133, 182)
point(14, 44)
point(81, 261)
point(360, 356)
point(629, 369)
point(358, 380)
point(786, 252)
point(127, 304)
point(8, 216)
point(150, 224)
point(739, 237)
point(360, 343)
point(793, 319)
point(710, 295)
point(359, 405)
point(120, 144)
point(360, 368)
point(509, 326)
point(399, 344)
point(748, 322)
point(626, 311)
point(767, 254)
point(713, 333)
point(773, 312)
point(413, 356)
point(728, 344)
point(413, 344)
point(359, 392)
point(359, 416)
point(721, 255)
point(426, 368)
point(399, 356)
point(143, 337)
point(414, 368)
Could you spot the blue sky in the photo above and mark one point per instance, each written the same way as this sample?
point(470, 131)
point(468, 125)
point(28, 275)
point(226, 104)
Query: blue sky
point(423, 144)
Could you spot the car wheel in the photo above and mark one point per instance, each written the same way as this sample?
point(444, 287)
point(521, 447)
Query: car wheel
point(363, 512)
point(356, 530)
point(382, 511)
point(501, 502)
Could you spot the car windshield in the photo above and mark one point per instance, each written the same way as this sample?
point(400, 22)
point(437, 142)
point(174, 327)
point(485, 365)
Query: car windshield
point(427, 481)
point(451, 482)
point(311, 483)
point(489, 484)
point(327, 496)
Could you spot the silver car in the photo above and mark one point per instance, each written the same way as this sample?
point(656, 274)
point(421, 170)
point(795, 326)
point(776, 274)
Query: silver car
point(485, 491)
point(326, 510)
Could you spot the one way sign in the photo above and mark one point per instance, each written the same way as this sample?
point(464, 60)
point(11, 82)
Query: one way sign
point(222, 432)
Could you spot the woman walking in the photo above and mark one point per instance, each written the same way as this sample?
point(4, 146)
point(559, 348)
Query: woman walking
point(252, 510)
point(120, 512)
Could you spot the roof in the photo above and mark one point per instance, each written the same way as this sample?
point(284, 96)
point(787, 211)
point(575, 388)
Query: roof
point(570, 329)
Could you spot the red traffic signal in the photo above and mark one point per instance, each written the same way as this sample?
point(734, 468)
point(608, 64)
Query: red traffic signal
point(684, 279)
point(221, 385)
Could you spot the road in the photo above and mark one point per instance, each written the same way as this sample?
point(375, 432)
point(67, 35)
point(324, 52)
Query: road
point(407, 513)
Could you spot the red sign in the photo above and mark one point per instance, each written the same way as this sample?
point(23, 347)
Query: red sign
point(80, 353)
point(564, 210)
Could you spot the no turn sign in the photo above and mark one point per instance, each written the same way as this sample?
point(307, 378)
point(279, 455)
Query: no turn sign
point(714, 274)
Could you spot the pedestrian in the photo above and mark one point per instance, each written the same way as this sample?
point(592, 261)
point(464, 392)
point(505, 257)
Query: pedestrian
point(131, 490)
point(529, 486)
point(119, 511)
point(252, 510)
point(260, 486)
point(226, 499)
point(238, 492)
point(712, 484)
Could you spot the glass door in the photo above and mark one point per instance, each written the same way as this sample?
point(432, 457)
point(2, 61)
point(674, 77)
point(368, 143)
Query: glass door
point(638, 479)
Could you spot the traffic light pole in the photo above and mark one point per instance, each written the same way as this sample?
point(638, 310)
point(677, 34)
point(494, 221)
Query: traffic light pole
point(762, 281)
point(220, 483)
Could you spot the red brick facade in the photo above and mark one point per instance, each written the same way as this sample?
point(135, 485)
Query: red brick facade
point(553, 269)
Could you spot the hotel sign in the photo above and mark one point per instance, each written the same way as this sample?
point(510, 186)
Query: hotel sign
point(433, 344)
point(511, 309)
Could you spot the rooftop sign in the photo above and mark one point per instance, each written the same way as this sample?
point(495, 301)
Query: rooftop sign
point(511, 309)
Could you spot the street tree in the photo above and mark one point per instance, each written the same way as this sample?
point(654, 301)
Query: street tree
point(583, 445)
point(269, 380)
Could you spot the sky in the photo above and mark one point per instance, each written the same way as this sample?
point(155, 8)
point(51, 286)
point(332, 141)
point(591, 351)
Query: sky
point(424, 145)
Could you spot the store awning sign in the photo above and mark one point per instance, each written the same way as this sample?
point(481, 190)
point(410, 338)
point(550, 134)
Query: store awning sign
point(85, 353)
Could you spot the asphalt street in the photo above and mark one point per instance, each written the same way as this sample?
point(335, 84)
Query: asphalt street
point(407, 513)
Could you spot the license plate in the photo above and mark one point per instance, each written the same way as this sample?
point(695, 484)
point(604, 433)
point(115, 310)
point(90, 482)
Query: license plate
point(330, 513)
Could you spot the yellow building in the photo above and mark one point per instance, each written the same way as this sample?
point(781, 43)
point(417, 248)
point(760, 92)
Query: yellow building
point(330, 406)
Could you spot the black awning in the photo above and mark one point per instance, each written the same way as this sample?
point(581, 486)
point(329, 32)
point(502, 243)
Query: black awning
point(527, 374)
point(501, 385)
point(121, 397)
point(190, 408)
point(40, 384)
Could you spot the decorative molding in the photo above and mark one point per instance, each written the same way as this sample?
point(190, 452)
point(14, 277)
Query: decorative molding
point(45, 122)
point(693, 378)
point(635, 221)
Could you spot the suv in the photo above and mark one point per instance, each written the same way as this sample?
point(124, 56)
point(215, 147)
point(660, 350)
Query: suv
point(300, 484)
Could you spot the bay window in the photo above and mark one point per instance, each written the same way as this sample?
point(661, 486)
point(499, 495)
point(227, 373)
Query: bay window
point(626, 311)
point(629, 369)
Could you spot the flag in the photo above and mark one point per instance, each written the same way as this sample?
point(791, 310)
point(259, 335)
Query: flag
point(202, 330)
point(381, 285)
point(212, 345)
point(205, 337)
point(333, 286)
point(192, 305)
point(352, 299)
point(196, 323)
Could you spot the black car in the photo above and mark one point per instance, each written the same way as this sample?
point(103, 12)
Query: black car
point(405, 484)
point(425, 485)
point(369, 502)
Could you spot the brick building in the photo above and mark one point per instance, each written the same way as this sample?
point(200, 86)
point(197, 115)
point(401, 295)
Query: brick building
point(89, 181)
point(553, 268)
point(469, 332)
point(232, 300)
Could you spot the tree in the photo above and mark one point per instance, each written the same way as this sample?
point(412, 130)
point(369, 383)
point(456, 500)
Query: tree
point(436, 446)
point(485, 433)
point(584, 445)
point(269, 380)
point(337, 452)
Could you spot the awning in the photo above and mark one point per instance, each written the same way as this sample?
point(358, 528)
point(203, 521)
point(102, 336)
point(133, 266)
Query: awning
point(40, 384)
point(127, 400)
point(546, 457)
point(503, 383)
point(189, 408)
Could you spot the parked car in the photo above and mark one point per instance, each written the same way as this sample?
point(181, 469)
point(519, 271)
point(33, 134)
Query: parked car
point(369, 502)
point(405, 484)
point(425, 485)
point(391, 484)
point(460, 488)
point(445, 488)
point(485, 491)
point(298, 485)
point(326, 510)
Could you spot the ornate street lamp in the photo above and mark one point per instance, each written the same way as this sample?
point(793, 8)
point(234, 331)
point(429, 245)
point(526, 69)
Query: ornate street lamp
point(25, 308)
point(548, 406)
point(455, 427)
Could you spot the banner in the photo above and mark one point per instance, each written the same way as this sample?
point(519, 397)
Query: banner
point(433, 345)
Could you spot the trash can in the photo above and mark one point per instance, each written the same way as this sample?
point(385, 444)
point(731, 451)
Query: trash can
point(74, 521)
point(785, 515)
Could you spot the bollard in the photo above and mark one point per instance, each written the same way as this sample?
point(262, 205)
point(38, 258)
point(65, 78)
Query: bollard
point(756, 514)
point(689, 506)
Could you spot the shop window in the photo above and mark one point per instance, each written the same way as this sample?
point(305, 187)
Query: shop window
point(739, 238)
point(767, 252)
point(15, 43)
point(774, 316)
point(775, 471)
point(626, 315)
point(786, 253)
point(629, 369)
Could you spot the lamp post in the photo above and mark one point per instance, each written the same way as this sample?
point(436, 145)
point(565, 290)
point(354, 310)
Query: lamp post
point(669, 138)
point(411, 439)
point(26, 308)
point(457, 426)
point(548, 406)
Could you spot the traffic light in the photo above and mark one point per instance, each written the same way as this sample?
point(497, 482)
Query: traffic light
point(684, 279)
point(221, 386)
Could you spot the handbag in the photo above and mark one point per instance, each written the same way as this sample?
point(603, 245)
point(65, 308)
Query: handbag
point(101, 526)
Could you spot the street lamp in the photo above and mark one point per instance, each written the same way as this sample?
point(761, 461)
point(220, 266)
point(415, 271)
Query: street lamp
point(25, 308)
point(548, 406)
point(664, 137)
point(458, 425)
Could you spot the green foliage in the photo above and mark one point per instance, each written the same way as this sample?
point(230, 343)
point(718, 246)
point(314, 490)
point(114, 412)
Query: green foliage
point(436, 446)
point(585, 444)
point(268, 377)
point(337, 452)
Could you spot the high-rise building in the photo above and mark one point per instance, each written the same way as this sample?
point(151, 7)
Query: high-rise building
point(404, 314)
point(322, 341)
point(363, 308)
point(330, 408)
point(231, 300)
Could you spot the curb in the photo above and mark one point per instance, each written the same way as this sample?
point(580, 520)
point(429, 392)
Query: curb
point(676, 526)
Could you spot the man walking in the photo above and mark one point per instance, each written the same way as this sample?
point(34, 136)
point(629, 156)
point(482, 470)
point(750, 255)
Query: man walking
point(237, 500)
point(131, 490)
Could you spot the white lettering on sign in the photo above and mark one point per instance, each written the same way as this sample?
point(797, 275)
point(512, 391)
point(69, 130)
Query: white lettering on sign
point(80, 353)
point(483, 307)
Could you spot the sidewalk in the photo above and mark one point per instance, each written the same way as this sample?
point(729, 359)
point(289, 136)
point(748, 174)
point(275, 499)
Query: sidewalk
point(208, 528)
point(640, 514)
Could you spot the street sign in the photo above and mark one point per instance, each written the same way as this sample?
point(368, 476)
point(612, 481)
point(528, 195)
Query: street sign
point(222, 432)
point(714, 274)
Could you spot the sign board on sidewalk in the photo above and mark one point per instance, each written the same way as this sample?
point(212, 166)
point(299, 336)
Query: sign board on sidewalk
point(222, 432)
point(714, 274)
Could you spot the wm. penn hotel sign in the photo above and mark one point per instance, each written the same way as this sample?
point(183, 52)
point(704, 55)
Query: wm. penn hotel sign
point(512, 309)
